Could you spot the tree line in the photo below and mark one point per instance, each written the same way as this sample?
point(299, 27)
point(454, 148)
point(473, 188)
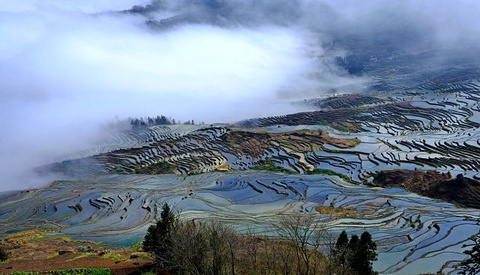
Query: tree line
point(143, 122)
point(137, 123)
point(303, 247)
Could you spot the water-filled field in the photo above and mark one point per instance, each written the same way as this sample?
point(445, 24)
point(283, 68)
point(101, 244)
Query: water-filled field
point(319, 162)
point(117, 209)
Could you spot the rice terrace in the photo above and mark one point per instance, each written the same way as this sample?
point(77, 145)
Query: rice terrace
point(343, 139)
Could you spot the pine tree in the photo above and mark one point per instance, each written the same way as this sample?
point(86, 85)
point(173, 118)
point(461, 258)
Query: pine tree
point(471, 265)
point(341, 249)
point(366, 254)
point(356, 254)
point(3, 254)
point(158, 239)
point(342, 240)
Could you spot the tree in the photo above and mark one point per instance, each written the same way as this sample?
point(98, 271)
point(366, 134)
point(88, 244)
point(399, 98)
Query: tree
point(217, 240)
point(3, 254)
point(306, 236)
point(355, 255)
point(158, 240)
point(251, 250)
point(366, 254)
point(471, 265)
point(190, 249)
point(342, 240)
point(233, 244)
point(341, 247)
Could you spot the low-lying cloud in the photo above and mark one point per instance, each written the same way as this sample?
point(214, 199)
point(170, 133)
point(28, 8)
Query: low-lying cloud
point(67, 66)
point(64, 70)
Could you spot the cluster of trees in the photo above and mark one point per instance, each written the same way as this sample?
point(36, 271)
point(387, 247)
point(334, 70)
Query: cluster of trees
point(188, 247)
point(356, 254)
point(138, 123)
point(3, 254)
point(150, 121)
point(471, 265)
point(144, 122)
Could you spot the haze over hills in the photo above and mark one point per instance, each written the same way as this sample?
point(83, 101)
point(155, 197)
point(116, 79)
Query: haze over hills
point(212, 61)
point(369, 109)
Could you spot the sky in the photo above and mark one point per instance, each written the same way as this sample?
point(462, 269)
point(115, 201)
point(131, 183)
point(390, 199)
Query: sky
point(67, 66)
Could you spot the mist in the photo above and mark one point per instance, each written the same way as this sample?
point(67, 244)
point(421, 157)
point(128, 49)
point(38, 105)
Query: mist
point(68, 66)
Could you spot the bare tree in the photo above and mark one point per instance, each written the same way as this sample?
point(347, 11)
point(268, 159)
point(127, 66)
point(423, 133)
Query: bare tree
point(189, 249)
point(285, 253)
point(234, 244)
point(251, 249)
point(306, 236)
point(217, 238)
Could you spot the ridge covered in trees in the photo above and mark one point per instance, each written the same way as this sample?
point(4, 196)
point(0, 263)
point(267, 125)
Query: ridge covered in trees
point(137, 123)
point(142, 122)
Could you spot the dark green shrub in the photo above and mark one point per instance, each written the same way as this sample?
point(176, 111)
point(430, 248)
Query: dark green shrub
point(3, 254)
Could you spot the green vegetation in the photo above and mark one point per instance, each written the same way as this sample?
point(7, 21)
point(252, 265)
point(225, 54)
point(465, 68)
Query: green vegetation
point(355, 255)
point(75, 271)
point(86, 255)
point(139, 123)
point(3, 254)
point(270, 166)
point(189, 247)
point(47, 235)
point(137, 246)
point(471, 265)
point(161, 167)
point(116, 257)
point(53, 255)
point(158, 239)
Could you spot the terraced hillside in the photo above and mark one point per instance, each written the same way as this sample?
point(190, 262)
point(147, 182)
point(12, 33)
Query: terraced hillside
point(433, 130)
point(118, 209)
point(322, 163)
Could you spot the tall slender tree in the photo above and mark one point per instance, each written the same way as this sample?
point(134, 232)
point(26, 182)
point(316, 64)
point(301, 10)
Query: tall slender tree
point(471, 265)
point(3, 254)
point(158, 239)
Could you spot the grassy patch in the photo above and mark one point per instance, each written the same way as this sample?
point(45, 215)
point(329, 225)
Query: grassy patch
point(116, 257)
point(85, 255)
point(137, 246)
point(270, 166)
point(53, 255)
point(51, 237)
